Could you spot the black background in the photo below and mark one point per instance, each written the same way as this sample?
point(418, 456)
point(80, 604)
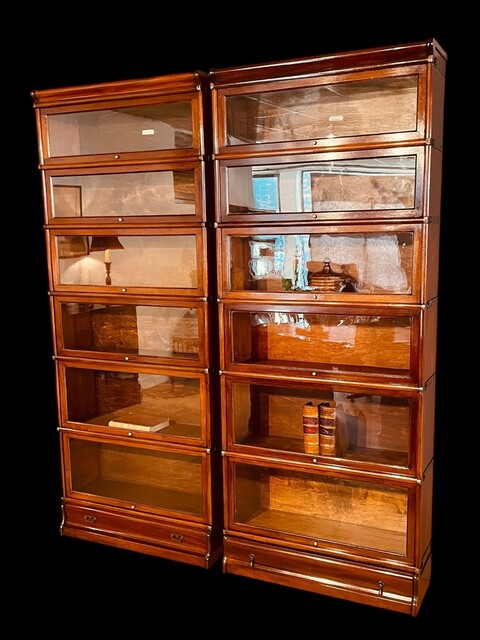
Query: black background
point(103, 589)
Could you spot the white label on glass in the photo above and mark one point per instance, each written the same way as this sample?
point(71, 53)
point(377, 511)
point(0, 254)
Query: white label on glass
point(148, 132)
point(335, 118)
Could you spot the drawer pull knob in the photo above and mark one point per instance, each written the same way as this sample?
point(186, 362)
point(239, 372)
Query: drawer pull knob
point(177, 537)
point(91, 519)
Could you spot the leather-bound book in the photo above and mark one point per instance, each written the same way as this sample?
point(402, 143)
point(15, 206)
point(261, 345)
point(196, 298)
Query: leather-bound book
point(311, 428)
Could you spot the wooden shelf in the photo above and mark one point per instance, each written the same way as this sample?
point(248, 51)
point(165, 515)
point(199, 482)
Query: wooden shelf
point(296, 445)
point(330, 530)
point(178, 501)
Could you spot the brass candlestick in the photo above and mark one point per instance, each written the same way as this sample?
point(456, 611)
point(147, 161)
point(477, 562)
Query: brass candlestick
point(106, 244)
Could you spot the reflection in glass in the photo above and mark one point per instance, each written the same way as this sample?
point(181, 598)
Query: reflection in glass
point(336, 110)
point(324, 262)
point(151, 127)
point(168, 261)
point(265, 192)
point(363, 184)
point(158, 331)
point(324, 342)
point(146, 193)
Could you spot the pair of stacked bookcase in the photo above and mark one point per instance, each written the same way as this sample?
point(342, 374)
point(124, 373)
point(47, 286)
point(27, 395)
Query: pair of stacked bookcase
point(280, 335)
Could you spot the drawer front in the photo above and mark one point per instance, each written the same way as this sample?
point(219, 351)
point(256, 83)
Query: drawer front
point(356, 582)
point(137, 529)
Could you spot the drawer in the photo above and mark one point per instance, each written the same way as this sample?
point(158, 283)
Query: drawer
point(356, 582)
point(169, 539)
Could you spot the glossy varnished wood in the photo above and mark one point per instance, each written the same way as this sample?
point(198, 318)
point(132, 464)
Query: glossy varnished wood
point(159, 492)
point(287, 516)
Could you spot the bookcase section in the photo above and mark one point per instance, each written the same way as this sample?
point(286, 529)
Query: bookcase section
point(328, 190)
point(124, 170)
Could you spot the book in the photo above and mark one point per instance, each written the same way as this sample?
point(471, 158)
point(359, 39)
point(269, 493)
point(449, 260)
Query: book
point(139, 427)
point(334, 437)
point(327, 426)
point(311, 440)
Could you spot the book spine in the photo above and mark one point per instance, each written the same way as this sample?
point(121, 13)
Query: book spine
point(327, 428)
point(128, 425)
point(311, 434)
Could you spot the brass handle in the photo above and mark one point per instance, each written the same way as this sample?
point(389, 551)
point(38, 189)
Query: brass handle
point(91, 519)
point(177, 537)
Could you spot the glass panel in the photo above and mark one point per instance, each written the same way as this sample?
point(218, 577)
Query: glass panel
point(366, 107)
point(138, 476)
point(368, 427)
point(360, 514)
point(148, 261)
point(364, 184)
point(165, 332)
point(324, 342)
point(150, 193)
point(367, 263)
point(166, 404)
point(150, 127)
